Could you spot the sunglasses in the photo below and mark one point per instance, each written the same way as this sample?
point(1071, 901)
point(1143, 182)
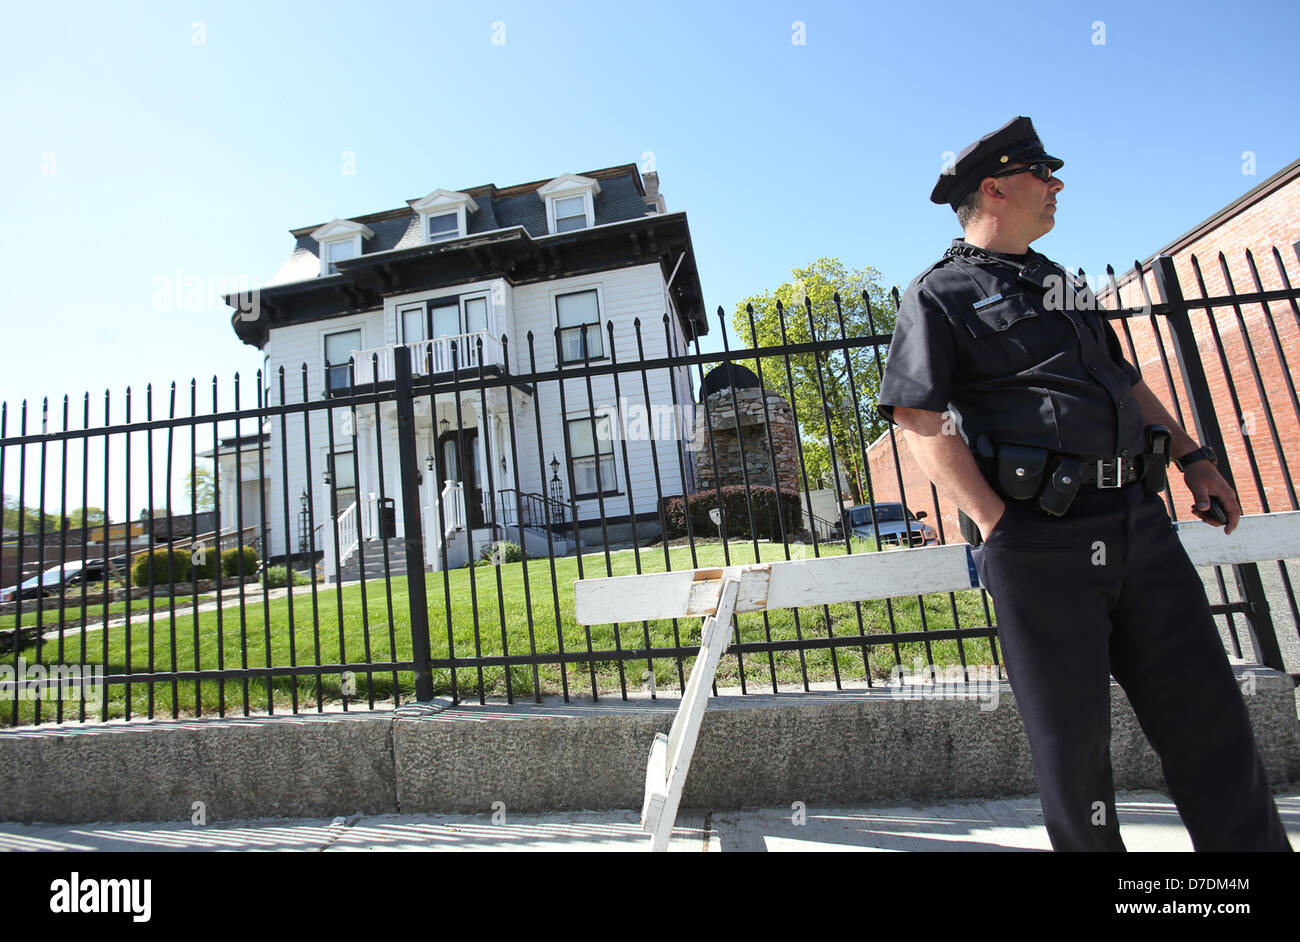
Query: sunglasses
point(1040, 170)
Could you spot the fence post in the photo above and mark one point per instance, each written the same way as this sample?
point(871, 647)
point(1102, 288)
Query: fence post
point(408, 466)
point(1207, 430)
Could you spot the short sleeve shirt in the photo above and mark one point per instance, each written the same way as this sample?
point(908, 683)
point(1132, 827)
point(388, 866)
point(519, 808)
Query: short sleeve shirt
point(1033, 367)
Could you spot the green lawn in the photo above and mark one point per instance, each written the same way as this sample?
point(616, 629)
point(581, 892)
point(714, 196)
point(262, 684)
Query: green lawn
point(94, 611)
point(379, 636)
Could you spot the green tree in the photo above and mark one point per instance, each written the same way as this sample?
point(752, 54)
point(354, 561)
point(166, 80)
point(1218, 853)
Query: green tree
point(31, 518)
point(86, 517)
point(829, 412)
point(202, 485)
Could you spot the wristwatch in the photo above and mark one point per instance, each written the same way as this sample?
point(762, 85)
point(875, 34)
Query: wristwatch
point(1204, 453)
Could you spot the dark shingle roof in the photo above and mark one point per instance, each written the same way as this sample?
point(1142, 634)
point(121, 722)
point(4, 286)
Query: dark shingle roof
point(621, 196)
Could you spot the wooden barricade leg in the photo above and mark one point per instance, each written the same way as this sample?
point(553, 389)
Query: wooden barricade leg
point(670, 756)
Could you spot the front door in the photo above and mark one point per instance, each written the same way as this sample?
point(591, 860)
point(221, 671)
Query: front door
point(461, 464)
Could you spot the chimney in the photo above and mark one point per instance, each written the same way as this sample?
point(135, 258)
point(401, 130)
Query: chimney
point(654, 201)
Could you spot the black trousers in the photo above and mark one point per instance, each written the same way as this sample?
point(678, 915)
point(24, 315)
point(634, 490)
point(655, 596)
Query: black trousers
point(1108, 589)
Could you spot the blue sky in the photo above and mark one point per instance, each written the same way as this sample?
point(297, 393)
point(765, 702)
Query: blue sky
point(150, 140)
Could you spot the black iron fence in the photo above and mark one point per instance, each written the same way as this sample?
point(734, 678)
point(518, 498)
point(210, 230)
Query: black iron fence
point(413, 487)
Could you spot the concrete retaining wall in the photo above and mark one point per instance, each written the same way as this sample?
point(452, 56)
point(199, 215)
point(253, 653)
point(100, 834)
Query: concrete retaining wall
point(827, 747)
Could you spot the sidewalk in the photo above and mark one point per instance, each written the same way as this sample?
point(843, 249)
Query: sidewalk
point(1148, 819)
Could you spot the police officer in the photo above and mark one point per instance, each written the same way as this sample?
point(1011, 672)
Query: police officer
point(1057, 471)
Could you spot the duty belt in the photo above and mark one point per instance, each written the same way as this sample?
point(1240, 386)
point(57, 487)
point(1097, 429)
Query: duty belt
point(1020, 479)
point(1110, 472)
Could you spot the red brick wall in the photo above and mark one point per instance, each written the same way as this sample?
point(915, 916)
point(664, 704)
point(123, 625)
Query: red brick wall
point(920, 496)
point(1273, 220)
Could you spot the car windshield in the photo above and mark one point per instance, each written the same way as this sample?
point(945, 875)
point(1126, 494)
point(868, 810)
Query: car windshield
point(51, 576)
point(885, 513)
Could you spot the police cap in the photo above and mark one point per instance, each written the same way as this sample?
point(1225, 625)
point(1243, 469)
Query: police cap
point(1014, 142)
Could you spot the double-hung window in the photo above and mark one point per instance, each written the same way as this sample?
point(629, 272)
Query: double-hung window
point(578, 317)
point(339, 241)
point(412, 320)
point(591, 449)
point(338, 350)
point(443, 227)
point(337, 252)
point(570, 213)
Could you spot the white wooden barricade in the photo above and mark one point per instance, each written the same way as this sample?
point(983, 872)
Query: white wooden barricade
point(716, 594)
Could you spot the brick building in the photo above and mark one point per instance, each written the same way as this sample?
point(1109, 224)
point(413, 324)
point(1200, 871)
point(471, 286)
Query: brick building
point(1263, 219)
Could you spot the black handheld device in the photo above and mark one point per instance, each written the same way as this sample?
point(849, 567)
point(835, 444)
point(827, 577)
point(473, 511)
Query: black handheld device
point(1217, 511)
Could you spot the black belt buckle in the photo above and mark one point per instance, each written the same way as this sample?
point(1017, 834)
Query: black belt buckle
point(1110, 472)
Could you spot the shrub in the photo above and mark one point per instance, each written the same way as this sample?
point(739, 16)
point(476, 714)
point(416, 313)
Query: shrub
point(205, 562)
point(502, 551)
point(765, 501)
point(233, 564)
point(161, 567)
point(277, 577)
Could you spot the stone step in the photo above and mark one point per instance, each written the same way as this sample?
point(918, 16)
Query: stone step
point(371, 553)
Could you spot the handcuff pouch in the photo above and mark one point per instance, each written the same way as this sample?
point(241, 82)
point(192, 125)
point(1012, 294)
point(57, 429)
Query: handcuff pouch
point(1061, 486)
point(1020, 470)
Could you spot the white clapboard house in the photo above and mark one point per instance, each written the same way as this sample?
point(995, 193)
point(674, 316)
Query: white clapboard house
point(470, 265)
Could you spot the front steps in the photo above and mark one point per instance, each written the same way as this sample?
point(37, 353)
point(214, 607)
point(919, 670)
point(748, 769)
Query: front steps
point(372, 552)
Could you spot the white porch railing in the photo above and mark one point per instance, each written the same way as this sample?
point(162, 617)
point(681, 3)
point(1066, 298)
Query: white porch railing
point(429, 356)
point(453, 508)
point(349, 532)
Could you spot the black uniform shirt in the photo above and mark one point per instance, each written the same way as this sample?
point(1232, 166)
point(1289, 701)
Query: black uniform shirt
point(1024, 366)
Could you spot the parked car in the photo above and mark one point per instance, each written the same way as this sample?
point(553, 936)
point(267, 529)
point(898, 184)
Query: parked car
point(894, 528)
point(68, 575)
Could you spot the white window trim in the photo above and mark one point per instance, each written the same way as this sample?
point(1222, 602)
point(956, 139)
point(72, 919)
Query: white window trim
point(497, 314)
point(587, 205)
point(340, 230)
point(486, 297)
point(325, 252)
point(444, 203)
point(423, 308)
point(342, 327)
point(601, 314)
point(461, 224)
point(563, 187)
point(612, 416)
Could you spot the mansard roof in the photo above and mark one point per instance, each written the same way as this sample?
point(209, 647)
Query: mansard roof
point(513, 243)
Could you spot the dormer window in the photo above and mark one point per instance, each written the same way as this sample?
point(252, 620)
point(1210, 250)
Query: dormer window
point(444, 215)
point(570, 203)
point(446, 226)
point(336, 252)
point(570, 214)
point(339, 241)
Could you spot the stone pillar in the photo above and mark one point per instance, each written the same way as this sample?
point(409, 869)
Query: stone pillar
point(746, 421)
